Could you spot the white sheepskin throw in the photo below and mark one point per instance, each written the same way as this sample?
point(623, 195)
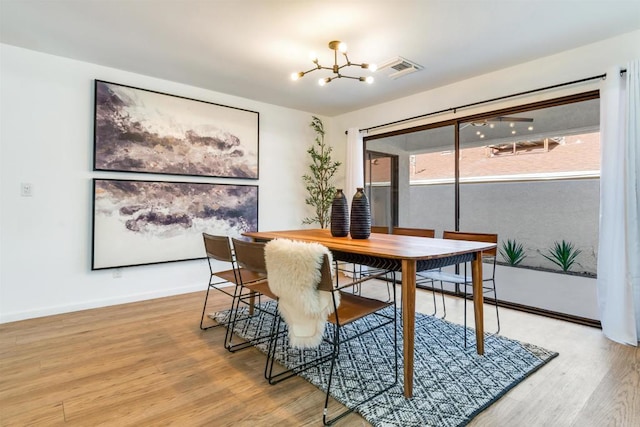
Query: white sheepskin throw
point(293, 271)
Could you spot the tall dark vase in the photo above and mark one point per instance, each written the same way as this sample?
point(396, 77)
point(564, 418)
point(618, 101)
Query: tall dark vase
point(360, 227)
point(339, 215)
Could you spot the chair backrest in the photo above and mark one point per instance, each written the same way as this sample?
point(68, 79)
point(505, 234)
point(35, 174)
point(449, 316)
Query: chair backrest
point(217, 247)
point(298, 273)
point(420, 232)
point(383, 229)
point(326, 279)
point(250, 256)
point(474, 237)
point(291, 261)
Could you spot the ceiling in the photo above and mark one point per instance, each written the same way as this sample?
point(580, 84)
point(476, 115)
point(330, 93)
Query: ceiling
point(249, 48)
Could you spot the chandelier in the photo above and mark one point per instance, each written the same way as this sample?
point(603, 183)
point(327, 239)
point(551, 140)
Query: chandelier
point(336, 46)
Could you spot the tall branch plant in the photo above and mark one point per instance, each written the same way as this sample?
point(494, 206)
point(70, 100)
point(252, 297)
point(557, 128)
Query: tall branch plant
point(320, 190)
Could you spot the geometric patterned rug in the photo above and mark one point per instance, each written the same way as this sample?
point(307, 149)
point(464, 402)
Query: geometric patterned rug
point(451, 384)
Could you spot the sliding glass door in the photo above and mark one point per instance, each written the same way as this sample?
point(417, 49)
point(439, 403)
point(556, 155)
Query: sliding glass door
point(528, 173)
point(532, 177)
point(381, 185)
point(425, 172)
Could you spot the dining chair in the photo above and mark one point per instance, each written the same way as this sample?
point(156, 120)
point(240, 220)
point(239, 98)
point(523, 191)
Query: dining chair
point(302, 274)
point(218, 250)
point(465, 280)
point(380, 229)
point(252, 286)
point(420, 232)
point(421, 281)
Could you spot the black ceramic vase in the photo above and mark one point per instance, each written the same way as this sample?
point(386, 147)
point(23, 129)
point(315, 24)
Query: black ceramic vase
point(360, 227)
point(339, 215)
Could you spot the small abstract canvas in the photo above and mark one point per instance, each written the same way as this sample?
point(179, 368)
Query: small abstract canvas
point(149, 222)
point(137, 130)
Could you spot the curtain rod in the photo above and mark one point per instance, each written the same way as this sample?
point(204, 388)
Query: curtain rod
point(473, 104)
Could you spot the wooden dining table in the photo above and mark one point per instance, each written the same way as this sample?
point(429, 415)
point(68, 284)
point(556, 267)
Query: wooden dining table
point(407, 254)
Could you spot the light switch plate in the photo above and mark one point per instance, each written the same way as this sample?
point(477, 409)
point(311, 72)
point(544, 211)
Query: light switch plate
point(26, 189)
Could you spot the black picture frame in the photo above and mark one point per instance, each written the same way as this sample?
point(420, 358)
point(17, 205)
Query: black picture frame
point(140, 130)
point(137, 222)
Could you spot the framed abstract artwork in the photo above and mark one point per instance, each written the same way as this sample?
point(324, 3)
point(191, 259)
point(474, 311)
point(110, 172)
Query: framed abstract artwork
point(138, 130)
point(150, 222)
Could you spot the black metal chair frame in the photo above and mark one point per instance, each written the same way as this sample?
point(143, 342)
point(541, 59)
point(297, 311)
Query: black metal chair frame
point(336, 350)
point(420, 279)
point(250, 260)
point(218, 248)
point(485, 290)
point(465, 280)
point(335, 338)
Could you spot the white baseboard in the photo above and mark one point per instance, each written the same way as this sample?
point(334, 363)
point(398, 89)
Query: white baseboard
point(86, 305)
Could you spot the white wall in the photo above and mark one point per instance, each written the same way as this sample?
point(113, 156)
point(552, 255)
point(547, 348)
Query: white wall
point(46, 139)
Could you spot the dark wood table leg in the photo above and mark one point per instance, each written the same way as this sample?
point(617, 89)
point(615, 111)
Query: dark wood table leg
point(408, 322)
point(478, 300)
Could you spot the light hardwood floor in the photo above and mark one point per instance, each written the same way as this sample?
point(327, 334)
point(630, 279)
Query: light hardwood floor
point(148, 364)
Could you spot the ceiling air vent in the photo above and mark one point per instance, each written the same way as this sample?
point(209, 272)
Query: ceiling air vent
point(401, 66)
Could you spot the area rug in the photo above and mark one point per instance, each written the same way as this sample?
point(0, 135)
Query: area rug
point(452, 384)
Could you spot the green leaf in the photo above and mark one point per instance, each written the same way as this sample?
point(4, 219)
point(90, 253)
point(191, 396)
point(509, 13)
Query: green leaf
point(322, 168)
point(512, 252)
point(563, 254)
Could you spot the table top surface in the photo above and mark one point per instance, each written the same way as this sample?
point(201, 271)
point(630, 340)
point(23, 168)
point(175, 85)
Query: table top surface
point(382, 245)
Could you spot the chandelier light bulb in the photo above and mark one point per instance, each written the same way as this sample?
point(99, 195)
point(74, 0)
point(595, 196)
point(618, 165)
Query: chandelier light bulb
point(313, 57)
point(342, 47)
point(369, 79)
point(373, 68)
point(296, 76)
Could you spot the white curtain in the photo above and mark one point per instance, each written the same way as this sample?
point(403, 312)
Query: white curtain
point(619, 239)
point(354, 164)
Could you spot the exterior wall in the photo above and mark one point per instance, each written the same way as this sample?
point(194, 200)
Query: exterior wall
point(561, 293)
point(535, 213)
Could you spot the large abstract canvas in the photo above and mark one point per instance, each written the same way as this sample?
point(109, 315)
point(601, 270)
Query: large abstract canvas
point(148, 222)
point(138, 130)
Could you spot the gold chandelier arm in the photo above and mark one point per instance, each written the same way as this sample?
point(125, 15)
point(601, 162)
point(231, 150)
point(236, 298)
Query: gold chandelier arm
point(336, 46)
